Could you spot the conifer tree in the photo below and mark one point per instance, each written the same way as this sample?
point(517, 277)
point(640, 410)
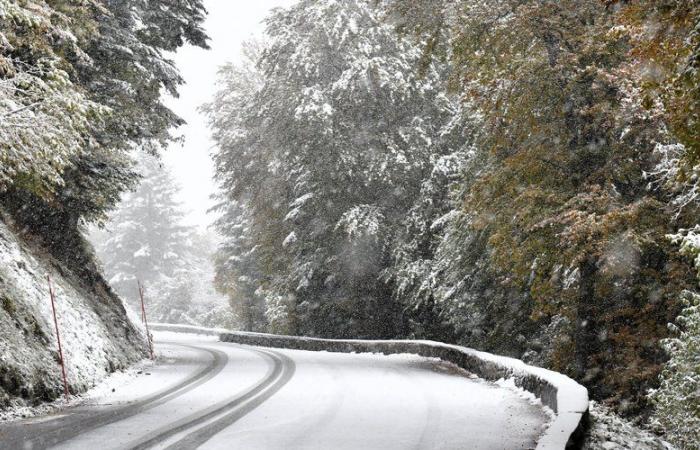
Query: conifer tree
point(327, 147)
point(145, 238)
point(81, 85)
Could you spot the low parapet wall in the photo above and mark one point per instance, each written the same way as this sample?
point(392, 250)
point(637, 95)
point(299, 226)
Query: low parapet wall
point(187, 329)
point(567, 398)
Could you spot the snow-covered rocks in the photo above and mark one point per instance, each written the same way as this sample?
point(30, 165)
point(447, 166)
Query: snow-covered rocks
point(607, 431)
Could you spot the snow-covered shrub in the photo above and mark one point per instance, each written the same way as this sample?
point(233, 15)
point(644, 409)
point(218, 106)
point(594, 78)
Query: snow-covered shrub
point(608, 431)
point(677, 400)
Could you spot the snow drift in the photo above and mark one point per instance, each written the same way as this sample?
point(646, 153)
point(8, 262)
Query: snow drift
point(96, 335)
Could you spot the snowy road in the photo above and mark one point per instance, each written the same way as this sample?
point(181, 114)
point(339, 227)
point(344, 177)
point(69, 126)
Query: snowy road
point(213, 395)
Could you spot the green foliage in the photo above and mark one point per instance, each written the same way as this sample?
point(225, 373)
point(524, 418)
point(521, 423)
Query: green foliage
point(45, 117)
point(8, 305)
point(80, 86)
point(523, 217)
point(665, 39)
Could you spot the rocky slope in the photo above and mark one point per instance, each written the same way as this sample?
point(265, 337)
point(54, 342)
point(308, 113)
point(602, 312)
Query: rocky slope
point(97, 336)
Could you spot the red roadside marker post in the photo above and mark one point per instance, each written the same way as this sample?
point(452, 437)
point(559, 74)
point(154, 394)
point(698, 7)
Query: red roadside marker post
point(58, 336)
point(145, 321)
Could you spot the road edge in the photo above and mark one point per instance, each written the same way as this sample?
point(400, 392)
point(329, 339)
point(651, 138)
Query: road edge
point(567, 398)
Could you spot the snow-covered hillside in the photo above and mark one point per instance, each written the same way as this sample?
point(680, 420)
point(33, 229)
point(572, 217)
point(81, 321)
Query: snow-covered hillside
point(96, 335)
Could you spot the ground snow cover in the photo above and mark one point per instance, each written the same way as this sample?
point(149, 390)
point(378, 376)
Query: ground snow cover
point(608, 431)
point(183, 337)
point(175, 330)
point(438, 365)
point(509, 383)
point(329, 398)
point(367, 400)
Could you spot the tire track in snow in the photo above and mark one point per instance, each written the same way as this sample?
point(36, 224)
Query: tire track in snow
point(215, 419)
point(433, 413)
point(429, 433)
point(57, 432)
point(307, 426)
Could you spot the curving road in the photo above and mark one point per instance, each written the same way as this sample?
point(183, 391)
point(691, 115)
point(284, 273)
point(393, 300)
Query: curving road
point(212, 395)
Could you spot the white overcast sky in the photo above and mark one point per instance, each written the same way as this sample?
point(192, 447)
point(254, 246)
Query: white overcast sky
point(229, 23)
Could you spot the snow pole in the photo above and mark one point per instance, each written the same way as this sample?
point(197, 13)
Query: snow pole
point(58, 337)
point(145, 321)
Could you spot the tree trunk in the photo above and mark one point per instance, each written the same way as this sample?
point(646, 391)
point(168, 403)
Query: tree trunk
point(585, 338)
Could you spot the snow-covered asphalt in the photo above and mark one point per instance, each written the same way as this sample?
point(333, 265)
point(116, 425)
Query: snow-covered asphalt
point(213, 395)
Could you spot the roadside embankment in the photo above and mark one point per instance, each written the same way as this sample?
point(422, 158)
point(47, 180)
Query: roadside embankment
point(96, 335)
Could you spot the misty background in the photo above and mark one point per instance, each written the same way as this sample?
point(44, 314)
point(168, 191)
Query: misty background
point(228, 25)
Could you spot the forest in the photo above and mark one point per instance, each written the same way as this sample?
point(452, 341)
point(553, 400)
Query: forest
point(517, 176)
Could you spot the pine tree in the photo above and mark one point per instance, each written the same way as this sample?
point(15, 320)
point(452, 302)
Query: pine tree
point(146, 240)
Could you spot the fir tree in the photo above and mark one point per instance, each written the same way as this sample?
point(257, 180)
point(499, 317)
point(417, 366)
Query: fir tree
point(146, 240)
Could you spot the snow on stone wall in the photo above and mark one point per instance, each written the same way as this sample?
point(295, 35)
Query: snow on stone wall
point(96, 335)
